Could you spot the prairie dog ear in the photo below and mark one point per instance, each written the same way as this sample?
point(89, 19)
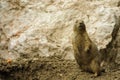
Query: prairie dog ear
point(79, 21)
point(82, 22)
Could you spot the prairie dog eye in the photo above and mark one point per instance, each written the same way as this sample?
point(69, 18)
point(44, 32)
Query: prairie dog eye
point(82, 24)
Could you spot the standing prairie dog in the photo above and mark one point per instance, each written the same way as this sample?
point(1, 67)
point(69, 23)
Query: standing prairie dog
point(85, 51)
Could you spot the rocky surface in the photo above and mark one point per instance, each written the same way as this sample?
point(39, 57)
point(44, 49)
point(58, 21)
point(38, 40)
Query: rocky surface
point(45, 27)
point(32, 28)
point(52, 68)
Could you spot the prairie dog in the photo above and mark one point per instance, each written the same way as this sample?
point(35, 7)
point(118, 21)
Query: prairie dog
point(85, 51)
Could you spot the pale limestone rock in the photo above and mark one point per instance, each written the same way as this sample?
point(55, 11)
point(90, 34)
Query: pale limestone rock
point(44, 27)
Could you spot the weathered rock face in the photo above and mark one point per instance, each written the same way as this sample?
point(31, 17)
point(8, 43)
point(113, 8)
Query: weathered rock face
point(44, 27)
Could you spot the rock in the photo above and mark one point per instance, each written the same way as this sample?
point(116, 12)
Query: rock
point(45, 27)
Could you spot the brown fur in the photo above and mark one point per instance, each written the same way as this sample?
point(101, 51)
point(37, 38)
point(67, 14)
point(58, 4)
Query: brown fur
point(85, 51)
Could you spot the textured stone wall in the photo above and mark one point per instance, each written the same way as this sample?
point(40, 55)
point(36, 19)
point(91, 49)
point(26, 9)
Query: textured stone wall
point(112, 49)
point(3, 40)
point(44, 27)
point(118, 44)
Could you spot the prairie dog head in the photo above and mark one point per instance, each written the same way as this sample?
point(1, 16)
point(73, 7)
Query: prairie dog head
point(79, 26)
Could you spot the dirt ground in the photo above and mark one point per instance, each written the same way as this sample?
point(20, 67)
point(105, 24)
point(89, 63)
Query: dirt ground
point(52, 68)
